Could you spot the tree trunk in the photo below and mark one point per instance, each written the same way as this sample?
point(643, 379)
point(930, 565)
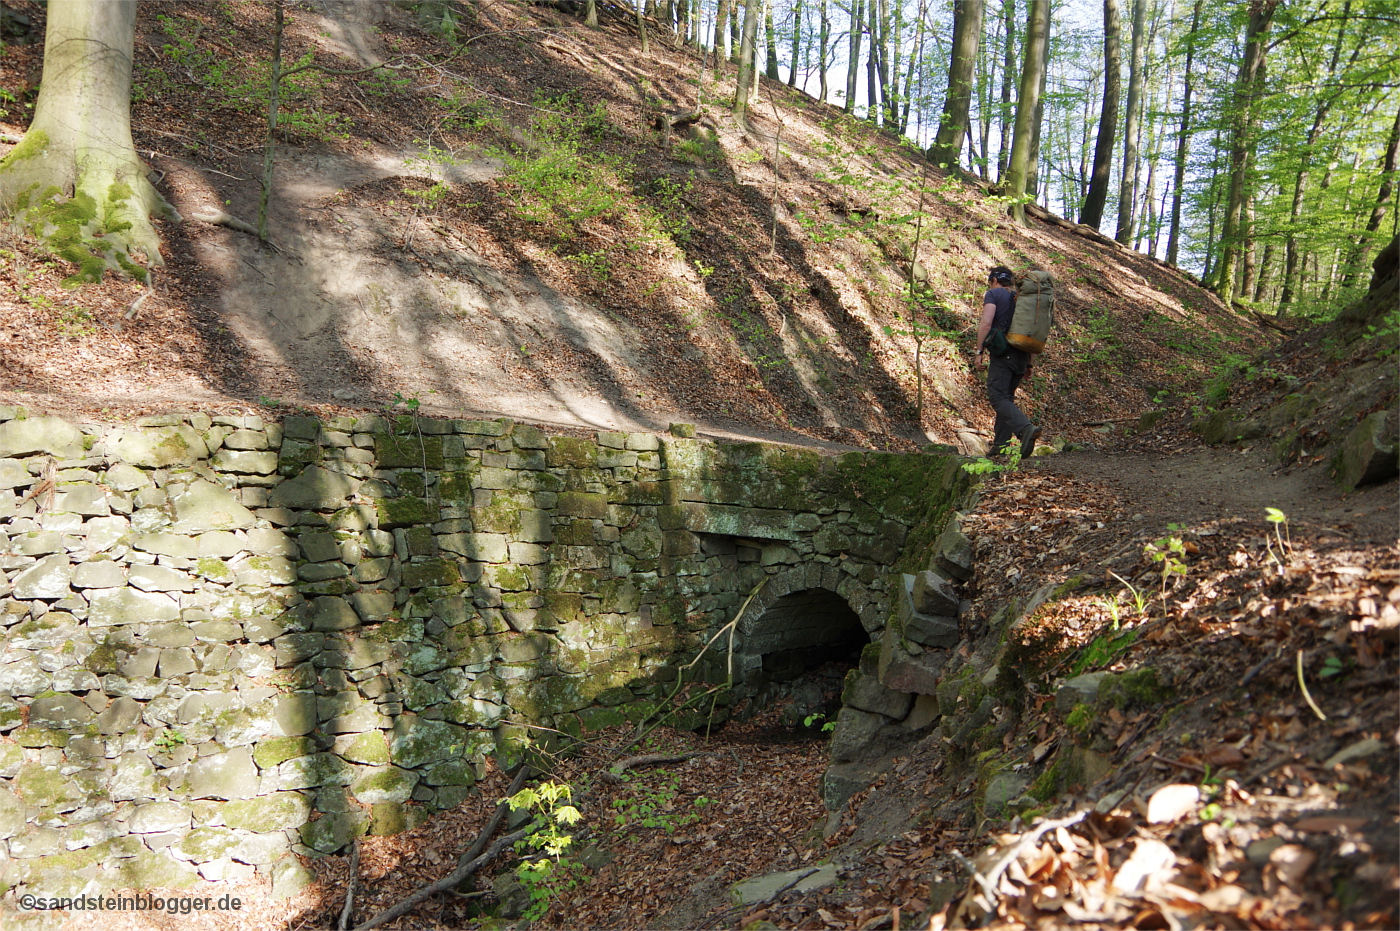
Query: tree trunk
point(853, 59)
point(1248, 256)
point(889, 62)
point(796, 41)
point(1182, 141)
point(1248, 87)
point(590, 15)
point(872, 64)
point(1099, 178)
point(1018, 169)
point(75, 177)
point(1008, 72)
point(1357, 259)
point(823, 47)
point(952, 124)
point(770, 36)
point(744, 86)
point(915, 72)
point(721, 32)
point(1132, 129)
point(642, 29)
point(1033, 178)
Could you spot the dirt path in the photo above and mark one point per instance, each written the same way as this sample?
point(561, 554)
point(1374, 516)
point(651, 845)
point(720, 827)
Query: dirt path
point(1204, 485)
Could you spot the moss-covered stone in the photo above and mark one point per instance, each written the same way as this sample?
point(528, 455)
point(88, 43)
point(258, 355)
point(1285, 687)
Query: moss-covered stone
point(1136, 688)
point(568, 452)
point(275, 812)
point(276, 750)
point(408, 451)
point(389, 818)
point(430, 572)
point(403, 512)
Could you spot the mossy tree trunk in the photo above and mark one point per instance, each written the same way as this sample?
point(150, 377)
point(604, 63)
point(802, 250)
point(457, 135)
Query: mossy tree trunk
point(1018, 169)
point(75, 180)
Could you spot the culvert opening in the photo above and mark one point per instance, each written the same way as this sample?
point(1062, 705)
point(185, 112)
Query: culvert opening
point(798, 652)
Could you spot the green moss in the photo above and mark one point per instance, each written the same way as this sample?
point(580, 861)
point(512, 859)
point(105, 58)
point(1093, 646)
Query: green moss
point(215, 570)
point(34, 145)
point(1103, 649)
point(275, 750)
point(1137, 688)
point(1080, 719)
point(403, 512)
point(104, 660)
point(1048, 785)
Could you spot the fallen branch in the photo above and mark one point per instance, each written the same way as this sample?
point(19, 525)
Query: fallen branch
point(1179, 764)
point(469, 862)
point(445, 884)
point(614, 773)
point(350, 884)
point(1265, 321)
point(1015, 850)
point(496, 818)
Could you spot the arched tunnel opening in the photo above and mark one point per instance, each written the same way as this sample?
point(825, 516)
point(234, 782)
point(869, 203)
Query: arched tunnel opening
point(798, 652)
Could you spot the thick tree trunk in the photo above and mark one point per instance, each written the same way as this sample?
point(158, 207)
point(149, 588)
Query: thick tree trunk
point(721, 32)
point(1008, 75)
point(1182, 141)
point(1099, 179)
point(796, 42)
point(952, 125)
point(744, 86)
point(1018, 170)
point(1132, 128)
point(75, 178)
point(853, 59)
point(1363, 246)
point(1232, 235)
point(1038, 123)
point(770, 37)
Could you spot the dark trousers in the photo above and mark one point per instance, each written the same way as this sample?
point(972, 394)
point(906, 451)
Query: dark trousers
point(1003, 378)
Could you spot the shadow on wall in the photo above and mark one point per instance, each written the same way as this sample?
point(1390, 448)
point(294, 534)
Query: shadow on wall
point(226, 641)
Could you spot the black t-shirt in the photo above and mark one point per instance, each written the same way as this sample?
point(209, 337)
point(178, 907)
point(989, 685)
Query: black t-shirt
point(1005, 299)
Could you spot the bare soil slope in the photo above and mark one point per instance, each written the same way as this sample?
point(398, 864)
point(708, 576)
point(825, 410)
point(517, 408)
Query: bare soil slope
point(494, 226)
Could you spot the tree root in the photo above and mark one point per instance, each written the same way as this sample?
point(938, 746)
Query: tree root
point(220, 218)
point(614, 772)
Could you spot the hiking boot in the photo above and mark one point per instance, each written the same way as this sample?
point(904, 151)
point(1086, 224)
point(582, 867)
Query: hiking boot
point(1028, 438)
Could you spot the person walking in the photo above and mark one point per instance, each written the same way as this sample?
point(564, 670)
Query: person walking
point(1005, 372)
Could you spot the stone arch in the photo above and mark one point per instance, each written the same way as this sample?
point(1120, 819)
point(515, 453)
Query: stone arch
point(807, 608)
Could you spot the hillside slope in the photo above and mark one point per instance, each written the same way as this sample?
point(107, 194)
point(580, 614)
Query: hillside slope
point(495, 226)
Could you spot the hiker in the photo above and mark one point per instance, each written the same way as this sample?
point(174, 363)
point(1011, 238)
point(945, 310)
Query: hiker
point(1004, 372)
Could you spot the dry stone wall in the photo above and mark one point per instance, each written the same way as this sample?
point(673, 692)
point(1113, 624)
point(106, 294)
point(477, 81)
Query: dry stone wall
point(225, 641)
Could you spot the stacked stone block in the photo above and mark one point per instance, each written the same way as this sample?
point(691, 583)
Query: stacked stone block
point(224, 641)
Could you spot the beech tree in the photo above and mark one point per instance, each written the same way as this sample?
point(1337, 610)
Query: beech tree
point(1018, 170)
point(1099, 180)
point(1132, 128)
point(75, 180)
point(952, 126)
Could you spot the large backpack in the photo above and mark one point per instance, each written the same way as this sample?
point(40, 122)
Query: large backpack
point(1035, 311)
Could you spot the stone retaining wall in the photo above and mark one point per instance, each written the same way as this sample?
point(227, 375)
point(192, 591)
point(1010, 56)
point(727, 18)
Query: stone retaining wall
point(227, 640)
